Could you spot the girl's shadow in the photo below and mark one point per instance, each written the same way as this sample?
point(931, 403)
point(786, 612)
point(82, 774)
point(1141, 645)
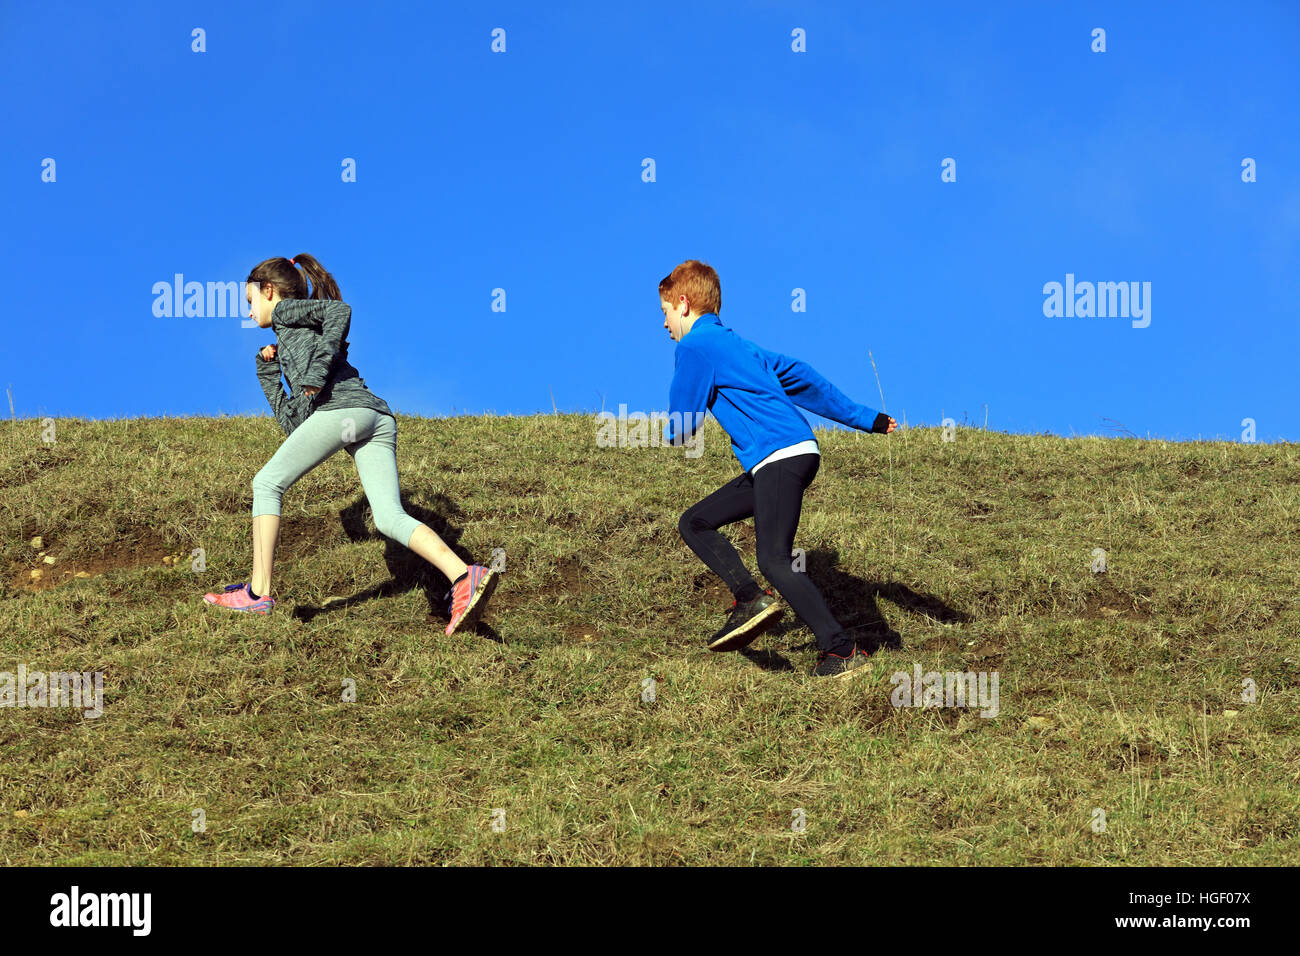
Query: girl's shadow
point(407, 569)
point(853, 601)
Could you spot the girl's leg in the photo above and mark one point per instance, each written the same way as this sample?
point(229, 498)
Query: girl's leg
point(426, 543)
point(376, 460)
point(315, 440)
point(266, 532)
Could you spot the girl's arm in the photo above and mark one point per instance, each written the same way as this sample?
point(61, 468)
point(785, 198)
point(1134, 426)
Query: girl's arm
point(336, 318)
point(268, 375)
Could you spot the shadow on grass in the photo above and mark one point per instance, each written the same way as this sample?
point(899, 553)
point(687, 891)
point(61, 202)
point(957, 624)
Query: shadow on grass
point(407, 569)
point(853, 601)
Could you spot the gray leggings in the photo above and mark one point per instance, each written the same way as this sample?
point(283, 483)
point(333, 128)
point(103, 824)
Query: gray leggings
point(370, 437)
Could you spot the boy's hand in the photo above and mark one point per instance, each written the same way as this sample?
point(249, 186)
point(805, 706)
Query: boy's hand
point(309, 390)
point(268, 353)
point(883, 424)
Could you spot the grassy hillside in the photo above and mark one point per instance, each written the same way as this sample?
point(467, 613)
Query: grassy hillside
point(1120, 691)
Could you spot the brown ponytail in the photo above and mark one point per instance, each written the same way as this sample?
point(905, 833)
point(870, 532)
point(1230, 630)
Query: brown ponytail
point(292, 282)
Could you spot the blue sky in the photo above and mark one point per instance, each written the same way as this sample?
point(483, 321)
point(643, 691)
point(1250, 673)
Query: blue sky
point(522, 170)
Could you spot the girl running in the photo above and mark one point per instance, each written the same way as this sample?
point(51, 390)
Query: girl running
point(328, 408)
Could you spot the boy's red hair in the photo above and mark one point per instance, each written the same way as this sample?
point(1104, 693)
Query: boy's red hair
point(698, 282)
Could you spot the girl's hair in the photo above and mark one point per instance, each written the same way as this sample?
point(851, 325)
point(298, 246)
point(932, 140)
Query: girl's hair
point(292, 282)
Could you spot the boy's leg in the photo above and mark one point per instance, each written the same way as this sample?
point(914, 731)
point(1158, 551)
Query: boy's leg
point(699, 526)
point(316, 439)
point(375, 455)
point(778, 501)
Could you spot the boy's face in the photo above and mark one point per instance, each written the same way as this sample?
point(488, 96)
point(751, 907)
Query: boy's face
point(675, 314)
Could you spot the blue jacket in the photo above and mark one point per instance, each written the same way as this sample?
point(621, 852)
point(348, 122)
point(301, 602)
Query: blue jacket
point(752, 393)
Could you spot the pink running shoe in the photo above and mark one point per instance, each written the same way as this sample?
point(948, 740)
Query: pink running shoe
point(236, 597)
point(470, 594)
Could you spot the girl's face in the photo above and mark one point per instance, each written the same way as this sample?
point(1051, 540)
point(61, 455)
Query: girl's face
point(261, 302)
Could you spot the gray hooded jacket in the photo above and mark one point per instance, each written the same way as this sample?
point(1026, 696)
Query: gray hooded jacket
point(312, 352)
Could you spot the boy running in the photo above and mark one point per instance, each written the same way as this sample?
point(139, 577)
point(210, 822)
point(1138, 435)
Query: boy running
point(753, 393)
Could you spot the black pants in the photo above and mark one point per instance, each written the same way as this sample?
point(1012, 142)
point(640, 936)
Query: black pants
point(774, 497)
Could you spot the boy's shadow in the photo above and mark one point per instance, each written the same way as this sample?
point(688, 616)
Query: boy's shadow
point(853, 602)
point(407, 569)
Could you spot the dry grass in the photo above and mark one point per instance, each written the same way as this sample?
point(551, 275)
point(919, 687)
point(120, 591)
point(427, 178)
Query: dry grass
point(977, 559)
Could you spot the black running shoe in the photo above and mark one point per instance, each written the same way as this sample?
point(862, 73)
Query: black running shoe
point(746, 622)
point(832, 665)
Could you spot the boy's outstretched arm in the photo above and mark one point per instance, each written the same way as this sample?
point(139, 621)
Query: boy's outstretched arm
point(688, 396)
point(808, 389)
